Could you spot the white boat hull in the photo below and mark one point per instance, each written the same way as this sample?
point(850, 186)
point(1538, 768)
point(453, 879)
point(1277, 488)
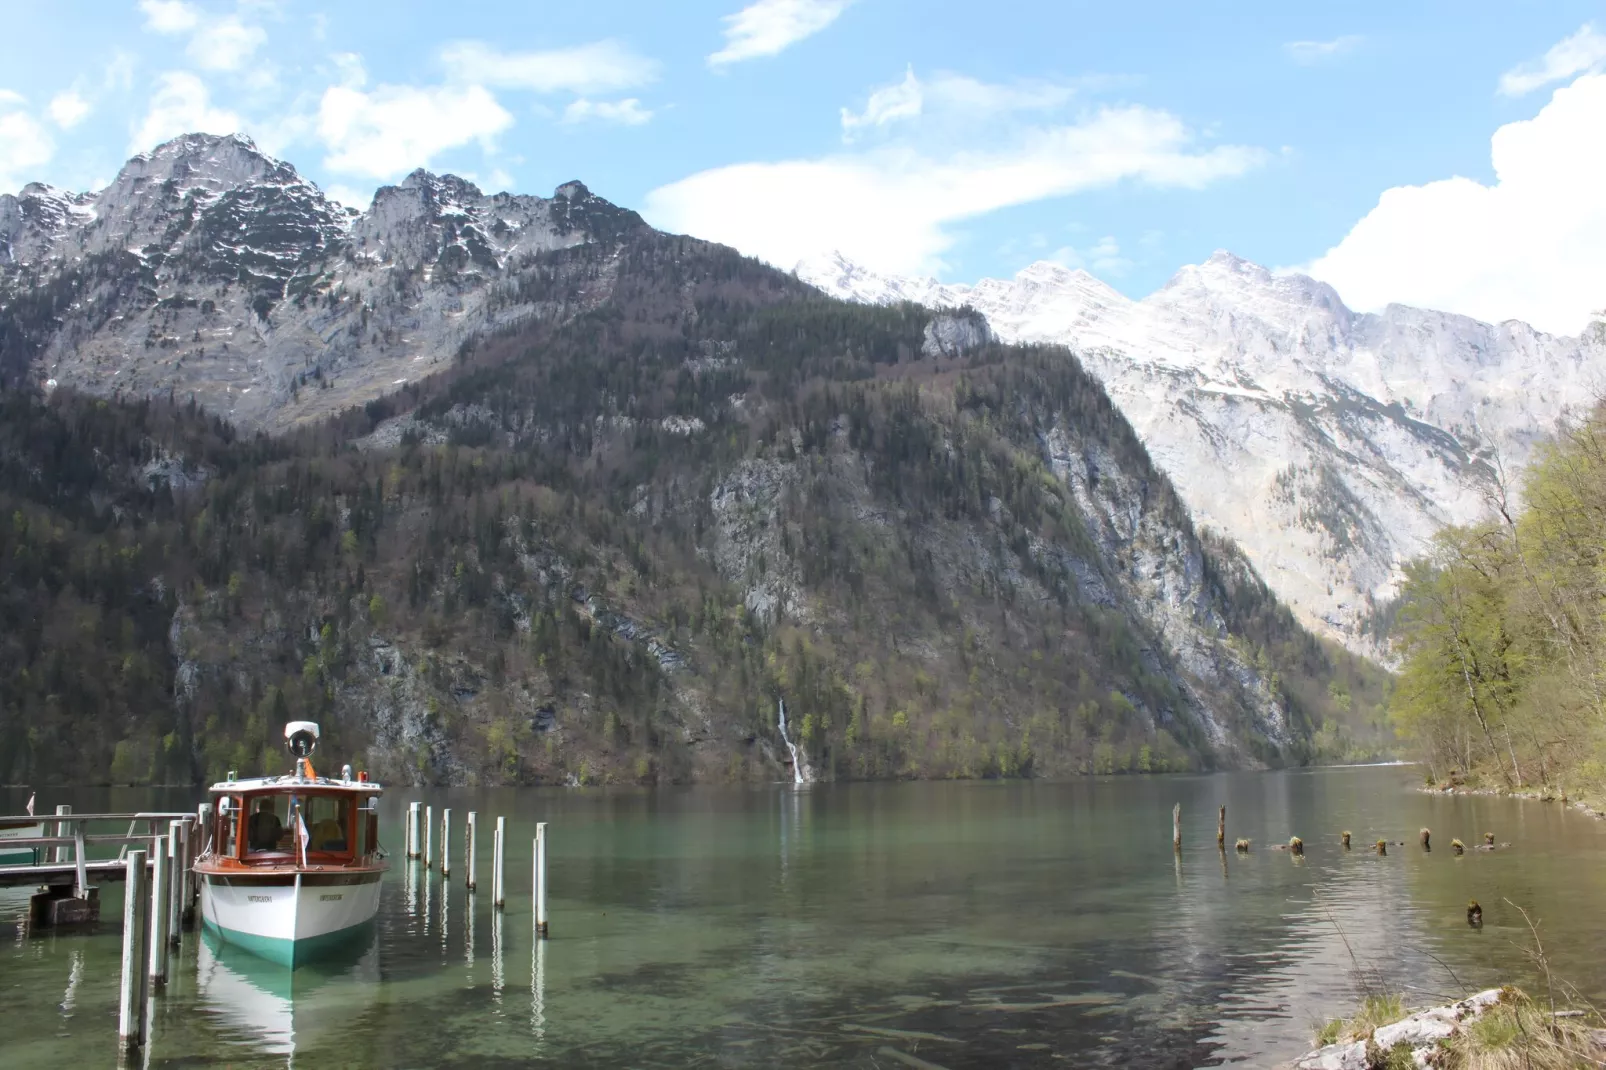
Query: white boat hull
point(10, 856)
point(289, 917)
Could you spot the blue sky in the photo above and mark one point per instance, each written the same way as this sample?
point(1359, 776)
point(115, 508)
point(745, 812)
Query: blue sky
point(929, 137)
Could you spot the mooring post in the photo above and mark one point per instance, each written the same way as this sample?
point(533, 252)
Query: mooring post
point(195, 833)
point(131, 990)
point(446, 842)
point(413, 838)
point(471, 848)
point(540, 878)
point(172, 900)
point(61, 830)
point(161, 907)
point(498, 845)
point(1176, 827)
point(1221, 828)
point(429, 837)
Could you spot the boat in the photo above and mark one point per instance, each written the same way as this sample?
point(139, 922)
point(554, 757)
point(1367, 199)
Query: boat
point(12, 829)
point(293, 865)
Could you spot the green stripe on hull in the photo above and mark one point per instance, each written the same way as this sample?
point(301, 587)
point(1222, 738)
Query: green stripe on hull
point(291, 953)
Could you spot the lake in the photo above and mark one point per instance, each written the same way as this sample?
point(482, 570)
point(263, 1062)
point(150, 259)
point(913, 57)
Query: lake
point(994, 924)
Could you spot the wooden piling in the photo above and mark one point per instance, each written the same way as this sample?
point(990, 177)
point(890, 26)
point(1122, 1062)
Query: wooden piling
point(173, 902)
point(196, 833)
point(540, 879)
point(446, 842)
point(161, 906)
point(1176, 827)
point(413, 837)
point(62, 830)
point(132, 987)
point(471, 830)
point(429, 837)
point(1221, 828)
point(498, 899)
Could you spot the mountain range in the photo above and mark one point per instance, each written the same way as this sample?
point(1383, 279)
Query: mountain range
point(518, 489)
point(1330, 445)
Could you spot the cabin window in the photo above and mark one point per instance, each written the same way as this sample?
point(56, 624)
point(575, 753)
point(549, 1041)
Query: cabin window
point(228, 827)
point(365, 828)
point(268, 826)
point(328, 819)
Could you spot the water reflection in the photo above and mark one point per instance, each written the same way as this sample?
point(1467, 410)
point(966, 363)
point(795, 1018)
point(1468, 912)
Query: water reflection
point(538, 994)
point(267, 1008)
point(1030, 925)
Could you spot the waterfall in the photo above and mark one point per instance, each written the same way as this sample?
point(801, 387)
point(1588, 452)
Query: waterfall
point(797, 763)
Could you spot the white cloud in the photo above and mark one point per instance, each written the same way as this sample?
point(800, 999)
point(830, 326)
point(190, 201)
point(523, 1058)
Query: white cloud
point(67, 109)
point(350, 196)
point(1584, 50)
point(25, 144)
point(600, 67)
point(170, 16)
point(627, 112)
point(767, 27)
point(1308, 52)
point(181, 105)
point(1102, 258)
point(225, 44)
point(902, 100)
point(892, 207)
point(396, 128)
point(954, 98)
point(1527, 247)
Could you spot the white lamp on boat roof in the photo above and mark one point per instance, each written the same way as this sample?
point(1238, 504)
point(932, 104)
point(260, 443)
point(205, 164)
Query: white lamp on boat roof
point(301, 737)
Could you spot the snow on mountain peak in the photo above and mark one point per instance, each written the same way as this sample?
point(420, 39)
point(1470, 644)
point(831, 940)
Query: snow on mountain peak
point(1331, 445)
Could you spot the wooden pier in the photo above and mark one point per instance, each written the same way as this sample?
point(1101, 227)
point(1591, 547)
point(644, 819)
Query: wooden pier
point(64, 871)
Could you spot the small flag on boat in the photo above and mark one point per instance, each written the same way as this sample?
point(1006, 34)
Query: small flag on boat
point(302, 837)
point(30, 803)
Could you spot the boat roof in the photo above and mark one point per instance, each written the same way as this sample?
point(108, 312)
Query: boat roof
point(290, 782)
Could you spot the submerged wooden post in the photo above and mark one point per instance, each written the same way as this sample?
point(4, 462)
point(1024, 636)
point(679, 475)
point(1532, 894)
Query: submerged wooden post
point(472, 832)
point(161, 907)
point(497, 846)
point(446, 842)
point(131, 989)
point(1221, 828)
point(1176, 827)
point(429, 837)
point(540, 878)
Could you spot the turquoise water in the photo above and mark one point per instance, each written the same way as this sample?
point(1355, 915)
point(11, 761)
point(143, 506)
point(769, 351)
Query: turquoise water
point(951, 925)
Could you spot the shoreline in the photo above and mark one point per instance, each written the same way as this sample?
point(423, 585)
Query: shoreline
point(1504, 793)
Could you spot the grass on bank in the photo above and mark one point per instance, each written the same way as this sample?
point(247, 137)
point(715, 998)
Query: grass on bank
point(1515, 1034)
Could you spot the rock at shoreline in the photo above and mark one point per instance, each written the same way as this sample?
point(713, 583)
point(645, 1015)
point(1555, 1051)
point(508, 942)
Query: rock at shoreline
point(1422, 1031)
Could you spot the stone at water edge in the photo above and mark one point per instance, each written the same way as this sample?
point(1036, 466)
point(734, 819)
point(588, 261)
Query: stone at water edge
point(1422, 1031)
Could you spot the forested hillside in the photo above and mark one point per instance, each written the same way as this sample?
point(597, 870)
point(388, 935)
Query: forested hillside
point(607, 541)
point(1504, 639)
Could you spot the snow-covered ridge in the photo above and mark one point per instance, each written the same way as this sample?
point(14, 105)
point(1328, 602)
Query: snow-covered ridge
point(1329, 444)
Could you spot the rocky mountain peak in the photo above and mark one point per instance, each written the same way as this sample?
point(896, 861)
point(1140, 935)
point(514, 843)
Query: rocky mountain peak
point(1331, 445)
